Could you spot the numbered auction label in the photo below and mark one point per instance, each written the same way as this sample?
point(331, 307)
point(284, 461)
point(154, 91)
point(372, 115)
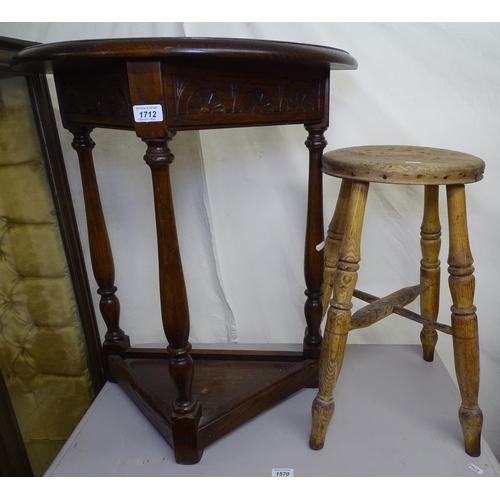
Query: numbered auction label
point(320, 246)
point(475, 468)
point(282, 473)
point(148, 113)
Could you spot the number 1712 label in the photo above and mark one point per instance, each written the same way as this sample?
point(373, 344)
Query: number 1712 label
point(148, 113)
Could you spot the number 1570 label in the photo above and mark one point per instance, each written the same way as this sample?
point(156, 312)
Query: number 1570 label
point(148, 113)
point(282, 473)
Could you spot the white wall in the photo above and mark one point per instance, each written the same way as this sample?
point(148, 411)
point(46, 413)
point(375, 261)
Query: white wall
point(241, 210)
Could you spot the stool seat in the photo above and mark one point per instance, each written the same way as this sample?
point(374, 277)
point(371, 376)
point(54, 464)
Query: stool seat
point(403, 165)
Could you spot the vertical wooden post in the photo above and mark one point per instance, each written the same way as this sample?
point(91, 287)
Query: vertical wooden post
point(339, 315)
point(430, 270)
point(100, 249)
point(173, 298)
point(464, 319)
point(314, 257)
point(147, 88)
point(174, 305)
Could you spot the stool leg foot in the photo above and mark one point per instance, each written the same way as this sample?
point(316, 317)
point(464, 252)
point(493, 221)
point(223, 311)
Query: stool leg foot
point(464, 320)
point(339, 315)
point(428, 341)
point(322, 413)
point(330, 364)
point(472, 424)
point(430, 270)
point(466, 353)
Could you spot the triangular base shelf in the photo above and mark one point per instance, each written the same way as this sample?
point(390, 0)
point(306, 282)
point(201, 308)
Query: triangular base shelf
point(231, 387)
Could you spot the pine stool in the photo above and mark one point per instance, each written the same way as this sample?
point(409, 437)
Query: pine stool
point(357, 167)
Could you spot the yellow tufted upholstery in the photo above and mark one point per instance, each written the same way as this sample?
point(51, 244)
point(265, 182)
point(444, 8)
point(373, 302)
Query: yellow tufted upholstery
point(42, 349)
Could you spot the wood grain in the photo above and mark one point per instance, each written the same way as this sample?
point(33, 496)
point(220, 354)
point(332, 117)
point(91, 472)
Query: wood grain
point(333, 240)
point(464, 320)
point(357, 166)
point(430, 268)
point(199, 84)
point(339, 315)
point(381, 308)
point(100, 248)
point(403, 165)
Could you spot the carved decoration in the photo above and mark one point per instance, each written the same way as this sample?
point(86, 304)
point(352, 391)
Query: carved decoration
point(233, 93)
point(241, 95)
point(205, 101)
point(302, 100)
point(257, 101)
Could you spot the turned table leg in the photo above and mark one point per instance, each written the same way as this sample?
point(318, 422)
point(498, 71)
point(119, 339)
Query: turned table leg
point(314, 257)
point(100, 249)
point(430, 270)
point(464, 320)
point(339, 315)
point(174, 306)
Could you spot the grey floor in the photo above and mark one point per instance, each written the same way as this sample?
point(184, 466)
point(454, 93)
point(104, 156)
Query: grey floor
point(396, 415)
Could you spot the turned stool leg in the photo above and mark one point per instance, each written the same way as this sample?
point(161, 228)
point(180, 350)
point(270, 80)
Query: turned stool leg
point(333, 240)
point(430, 270)
point(464, 320)
point(339, 315)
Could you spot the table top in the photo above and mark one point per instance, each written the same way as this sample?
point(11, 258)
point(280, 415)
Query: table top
point(51, 56)
point(395, 415)
point(199, 83)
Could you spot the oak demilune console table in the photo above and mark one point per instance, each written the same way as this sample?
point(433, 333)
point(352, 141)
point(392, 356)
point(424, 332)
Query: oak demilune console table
point(158, 87)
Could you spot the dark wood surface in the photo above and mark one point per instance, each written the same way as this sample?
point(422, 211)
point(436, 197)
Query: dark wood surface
point(204, 83)
point(52, 56)
point(11, 46)
point(229, 391)
point(14, 461)
point(193, 84)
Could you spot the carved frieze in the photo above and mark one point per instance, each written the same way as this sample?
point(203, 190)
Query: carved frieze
point(192, 100)
point(245, 96)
